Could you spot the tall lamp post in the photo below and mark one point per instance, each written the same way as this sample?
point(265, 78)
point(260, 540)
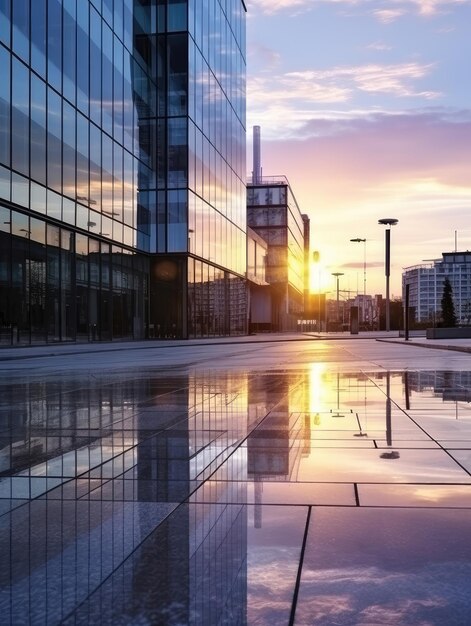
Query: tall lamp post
point(363, 241)
point(337, 275)
point(316, 257)
point(388, 222)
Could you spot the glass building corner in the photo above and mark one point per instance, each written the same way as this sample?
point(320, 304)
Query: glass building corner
point(122, 161)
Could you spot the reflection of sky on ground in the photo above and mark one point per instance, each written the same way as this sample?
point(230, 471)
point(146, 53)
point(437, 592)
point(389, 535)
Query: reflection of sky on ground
point(207, 479)
point(407, 567)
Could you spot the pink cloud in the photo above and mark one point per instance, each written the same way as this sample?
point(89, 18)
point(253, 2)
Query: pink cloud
point(382, 147)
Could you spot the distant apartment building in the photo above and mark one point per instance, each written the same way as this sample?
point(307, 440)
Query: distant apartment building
point(122, 170)
point(426, 287)
point(273, 213)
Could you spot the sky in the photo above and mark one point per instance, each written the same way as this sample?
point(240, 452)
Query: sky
point(365, 106)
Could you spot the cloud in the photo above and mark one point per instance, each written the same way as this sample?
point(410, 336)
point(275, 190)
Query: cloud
point(378, 45)
point(285, 101)
point(274, 6)
point(267, 56)
point(391, 10)
point(386, 16)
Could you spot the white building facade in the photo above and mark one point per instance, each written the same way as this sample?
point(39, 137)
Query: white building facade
point(426, 287)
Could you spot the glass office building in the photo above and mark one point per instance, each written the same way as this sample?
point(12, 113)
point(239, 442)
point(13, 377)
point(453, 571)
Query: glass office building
point(122, 168)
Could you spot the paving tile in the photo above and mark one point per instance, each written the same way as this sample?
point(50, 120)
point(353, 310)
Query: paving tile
point(385, 566)
point(415, 495)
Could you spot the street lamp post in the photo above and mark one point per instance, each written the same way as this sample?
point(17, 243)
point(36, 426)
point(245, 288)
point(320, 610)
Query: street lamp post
point(337, 275)
point(316, 258)
point(363, 241)
point(387, 221)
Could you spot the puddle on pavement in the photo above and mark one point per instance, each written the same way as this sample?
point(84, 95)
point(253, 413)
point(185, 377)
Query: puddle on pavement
point(194, 498)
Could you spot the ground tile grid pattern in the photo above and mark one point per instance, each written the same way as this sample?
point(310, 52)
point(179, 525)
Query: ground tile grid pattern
point(236, 498)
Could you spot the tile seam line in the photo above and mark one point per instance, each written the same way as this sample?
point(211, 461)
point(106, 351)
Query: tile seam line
point(297, 586)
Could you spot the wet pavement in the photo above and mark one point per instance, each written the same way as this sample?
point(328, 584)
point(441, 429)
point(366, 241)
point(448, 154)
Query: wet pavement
point(273, 480)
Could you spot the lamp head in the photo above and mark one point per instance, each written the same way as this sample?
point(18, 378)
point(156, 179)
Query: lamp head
point(388, 221)
point(358, 240)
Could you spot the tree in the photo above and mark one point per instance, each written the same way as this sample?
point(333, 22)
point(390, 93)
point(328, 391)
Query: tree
point(448, 308)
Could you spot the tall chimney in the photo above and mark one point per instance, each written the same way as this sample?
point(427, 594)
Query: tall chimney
point(257, 166)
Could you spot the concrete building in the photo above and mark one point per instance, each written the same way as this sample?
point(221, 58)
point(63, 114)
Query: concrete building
point(426, 287)
point(273, 213)
point(122, 170)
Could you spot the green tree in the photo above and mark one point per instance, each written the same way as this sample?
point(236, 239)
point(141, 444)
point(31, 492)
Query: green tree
point(448, 308)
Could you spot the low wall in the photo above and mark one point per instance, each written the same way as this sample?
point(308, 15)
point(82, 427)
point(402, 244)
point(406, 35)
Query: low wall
point(449, 333)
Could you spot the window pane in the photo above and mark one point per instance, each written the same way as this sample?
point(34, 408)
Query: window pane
point(20, 42)
point(38, 129)
point(5, 106)
point(38, 36)
point(20, 117)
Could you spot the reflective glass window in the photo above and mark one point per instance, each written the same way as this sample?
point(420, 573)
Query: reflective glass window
point(177, 221)
point(128, 23)
point(95, 167)
point(54, 205)
point(177, 71)
point(176, 15)
point(54, 141)
point(21, 17)
point(68, 211)
point(70, 50)
point(117, 181)
point(128, 189)
point(5, 183)
point(5, 101)
point(95, 64)
point(161, 221)
point(19, 190)
point(38, 129)
point(38, 198)
point(54, 43)
point(177, 152)
point(5, 22)
point(68, 150)
point(83, 194)
point(20, 117)
point(107, 79)
point(118, 91)
point(108, 11)
point(107, 175)
point(83, 62)
point(38, 36)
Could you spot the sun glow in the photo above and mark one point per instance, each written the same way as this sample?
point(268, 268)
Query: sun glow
point(320, 279)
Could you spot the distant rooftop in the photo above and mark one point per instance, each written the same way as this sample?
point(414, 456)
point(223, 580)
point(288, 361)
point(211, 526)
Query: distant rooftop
point(268, 180)
point(447, 257)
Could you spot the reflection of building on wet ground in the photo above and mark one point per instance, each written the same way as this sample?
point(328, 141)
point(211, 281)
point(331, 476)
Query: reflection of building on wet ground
point(275, 446)
point(115, 457)
point(448, 385)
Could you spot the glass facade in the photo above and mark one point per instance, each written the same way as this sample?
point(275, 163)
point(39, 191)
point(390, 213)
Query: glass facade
point(122, 142)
